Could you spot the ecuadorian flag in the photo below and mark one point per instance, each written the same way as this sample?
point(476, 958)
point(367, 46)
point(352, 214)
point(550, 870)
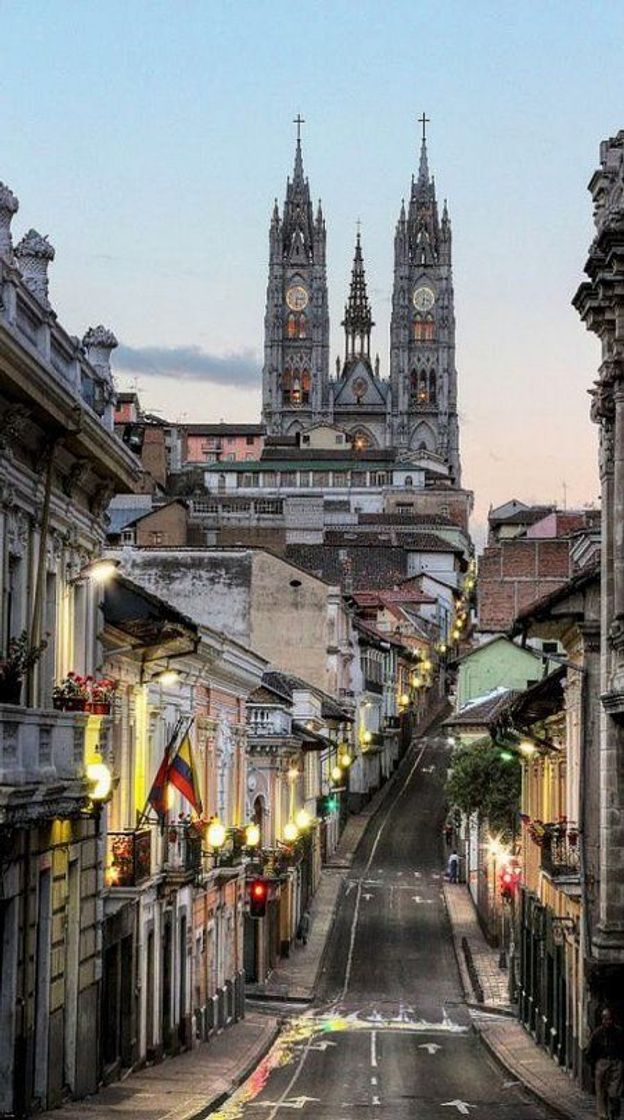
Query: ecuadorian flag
point(182, 775)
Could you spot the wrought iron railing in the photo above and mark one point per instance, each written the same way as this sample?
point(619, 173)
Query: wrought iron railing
point(129, 860)
point(560, 851)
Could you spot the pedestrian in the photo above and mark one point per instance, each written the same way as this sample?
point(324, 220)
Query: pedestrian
point(606, 1055)
point(304, 927)
point(453, 867)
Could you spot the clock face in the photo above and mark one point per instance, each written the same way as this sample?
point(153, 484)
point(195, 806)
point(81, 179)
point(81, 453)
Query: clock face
point(297, 297)
point(423, 298)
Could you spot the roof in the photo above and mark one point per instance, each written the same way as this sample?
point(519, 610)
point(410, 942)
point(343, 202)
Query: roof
point(285, 684)
point(223, 429)
point(367, 568)
point(525, 516)
point(423, 542)
point(538, 655)
point(325, 454)
point(144, 617)
point(124, 518)
point(540, 608)
point(484, 710)
point(127, 398)
point(406, 520)
point(395, 595)
point(538, 702)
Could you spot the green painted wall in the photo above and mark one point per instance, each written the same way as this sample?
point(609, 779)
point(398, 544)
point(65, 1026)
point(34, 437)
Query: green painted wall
point(498, 664)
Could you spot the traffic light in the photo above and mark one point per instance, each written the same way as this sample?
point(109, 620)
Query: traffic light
point(327, 805)
point(258, 895)
point(509, 878)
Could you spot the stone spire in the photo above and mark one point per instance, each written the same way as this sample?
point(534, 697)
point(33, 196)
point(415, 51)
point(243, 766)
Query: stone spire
point(8, 208)
point(33, 255)
point(358, 319)
point(423, 169)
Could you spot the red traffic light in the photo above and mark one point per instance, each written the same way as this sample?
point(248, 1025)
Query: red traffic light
point(258, 895)
point(509, 879)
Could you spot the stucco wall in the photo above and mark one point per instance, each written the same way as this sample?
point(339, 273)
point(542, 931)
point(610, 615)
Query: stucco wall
point(500, 663)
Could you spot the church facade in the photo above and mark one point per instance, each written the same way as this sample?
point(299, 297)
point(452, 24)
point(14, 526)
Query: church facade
point(412, 411)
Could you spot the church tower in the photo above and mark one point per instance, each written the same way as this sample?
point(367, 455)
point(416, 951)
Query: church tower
point(422, 330)
point(296, 325)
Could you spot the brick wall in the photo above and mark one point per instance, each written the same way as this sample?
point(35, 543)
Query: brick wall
point(164, 528)
point(514, 573)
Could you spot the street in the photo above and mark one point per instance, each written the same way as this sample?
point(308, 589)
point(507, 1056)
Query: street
point(390, 1032)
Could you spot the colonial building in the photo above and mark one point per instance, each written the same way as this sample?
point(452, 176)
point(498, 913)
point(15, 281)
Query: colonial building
point(600, 302)
point(414, 410)
point(59, 464)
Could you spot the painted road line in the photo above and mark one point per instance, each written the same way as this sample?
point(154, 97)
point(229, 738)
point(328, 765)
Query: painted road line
point(374, 1049)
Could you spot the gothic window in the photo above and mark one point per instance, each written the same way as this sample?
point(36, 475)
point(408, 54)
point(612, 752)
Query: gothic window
point(292, 327)
point(424, 328)
point(302, 329)
point(432, 387)
point(360, 441)
point(419, 388)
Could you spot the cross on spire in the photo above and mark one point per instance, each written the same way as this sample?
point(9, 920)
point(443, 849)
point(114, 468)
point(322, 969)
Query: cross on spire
point(299, 120)
point(424, 121)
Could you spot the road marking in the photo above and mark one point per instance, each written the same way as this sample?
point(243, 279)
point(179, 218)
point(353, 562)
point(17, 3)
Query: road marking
point(284, 1100)
point(384, 822)
point(373, 1080)
point(295, 1102)
point(417, 898)
point(510, 1084)
point(323, 1045)
point(374, 1049)
point(368, 897)
point(376, 1100)
point(461, 1106)
point(430, 1047)
point(354, 923)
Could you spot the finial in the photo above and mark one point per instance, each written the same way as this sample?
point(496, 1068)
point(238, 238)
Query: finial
point(299, 120)
point(424, 121)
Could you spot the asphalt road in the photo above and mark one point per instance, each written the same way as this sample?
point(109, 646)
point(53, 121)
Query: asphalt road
point(389, 1035)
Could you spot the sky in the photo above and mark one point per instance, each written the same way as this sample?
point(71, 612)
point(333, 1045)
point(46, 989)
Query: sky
point(148, 139)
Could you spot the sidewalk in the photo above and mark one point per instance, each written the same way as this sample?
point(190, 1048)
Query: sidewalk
point(186, 1087)
point(507, 1040)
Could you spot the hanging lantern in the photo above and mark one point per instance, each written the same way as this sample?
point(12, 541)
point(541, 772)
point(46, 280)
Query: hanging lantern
point(252, 835)
point(216, 833)
point(303, 819)
point(291, 832)
point(336, 774)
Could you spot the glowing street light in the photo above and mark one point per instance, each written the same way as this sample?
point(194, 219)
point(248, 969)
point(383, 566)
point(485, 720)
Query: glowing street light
point(216, 833)
point(291, 831)
point(303, 819)
point(252, 835)
point(101, 777)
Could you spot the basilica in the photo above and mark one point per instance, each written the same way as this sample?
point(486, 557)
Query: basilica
point(413, 410)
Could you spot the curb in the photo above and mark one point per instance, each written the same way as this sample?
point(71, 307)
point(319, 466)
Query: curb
point(240, 1077)
point(553, 1109)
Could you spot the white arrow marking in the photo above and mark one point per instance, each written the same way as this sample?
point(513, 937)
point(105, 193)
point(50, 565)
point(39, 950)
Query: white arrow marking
point(434, 875)
point(461, 1106)
point(322, 1045)
point(417, 898)
point(417, 874)
point(376, 1100)
point(294, 1102)
point(510, 1084)
point(427, 769)
point(349, 887)
point(430, 1047)
point(368, 897)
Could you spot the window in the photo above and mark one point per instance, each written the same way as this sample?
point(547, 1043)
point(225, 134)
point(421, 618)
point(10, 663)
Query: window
point(378, 478)
point(424, 328)
point(156, 536)
point(409, 481)
point(340, 439)
point(288, 478)
point(230, 457)
point(340, 479)
point(320, 478)
point(295, 387)
point(249, 458)
point(361, 441)
point(305, 439)
point(296, 326)
point(249, 440)
point(247, 480)
point(358, 478)
point(404, 507)
point(419, 387)
point(127, 537)
point(304, 478)
point(269, 478)
point(550, 647)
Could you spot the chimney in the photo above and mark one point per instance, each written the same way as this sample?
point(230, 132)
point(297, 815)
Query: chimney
point(33, 255)
point(99, 343)
point(8, 207)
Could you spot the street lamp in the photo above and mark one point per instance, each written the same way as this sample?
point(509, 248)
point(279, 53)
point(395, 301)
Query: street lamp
point(252, 835)
point(303, 819)
point(99, 774)
point(336, 774)
point(216, 834)
point(291, 832)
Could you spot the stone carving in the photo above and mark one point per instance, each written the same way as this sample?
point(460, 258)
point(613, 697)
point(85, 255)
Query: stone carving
point(33, 254)
point(608, 192)
point(17, 531)
point(8, 208)
point(101, 499)
point(12, 424)
point(78, 471)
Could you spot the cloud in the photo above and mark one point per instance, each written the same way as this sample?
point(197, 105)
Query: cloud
point(189, 363)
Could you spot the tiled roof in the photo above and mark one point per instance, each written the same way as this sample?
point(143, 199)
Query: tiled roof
point(395, 595)
point(286, 683)
point(324, 454)
point(223, 429)
point(366, 568)
point(483, 712)
point(405, 519)
point(423, 542)
point(522, 516)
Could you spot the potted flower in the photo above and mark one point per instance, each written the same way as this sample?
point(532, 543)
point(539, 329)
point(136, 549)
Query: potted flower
point(102, 692)
point(20, 657)
point(72, 694)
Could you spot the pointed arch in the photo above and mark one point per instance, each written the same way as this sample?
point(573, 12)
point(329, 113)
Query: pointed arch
point(362, 438)
point(423, 438)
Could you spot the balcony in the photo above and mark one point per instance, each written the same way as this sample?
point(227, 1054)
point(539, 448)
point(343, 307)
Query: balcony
point(41, 763)
point(561, 852)
point(184, 851)
point(129, 858)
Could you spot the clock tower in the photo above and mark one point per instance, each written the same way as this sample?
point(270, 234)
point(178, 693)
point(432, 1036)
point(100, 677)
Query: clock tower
point(422, 330)
point(296, 324)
